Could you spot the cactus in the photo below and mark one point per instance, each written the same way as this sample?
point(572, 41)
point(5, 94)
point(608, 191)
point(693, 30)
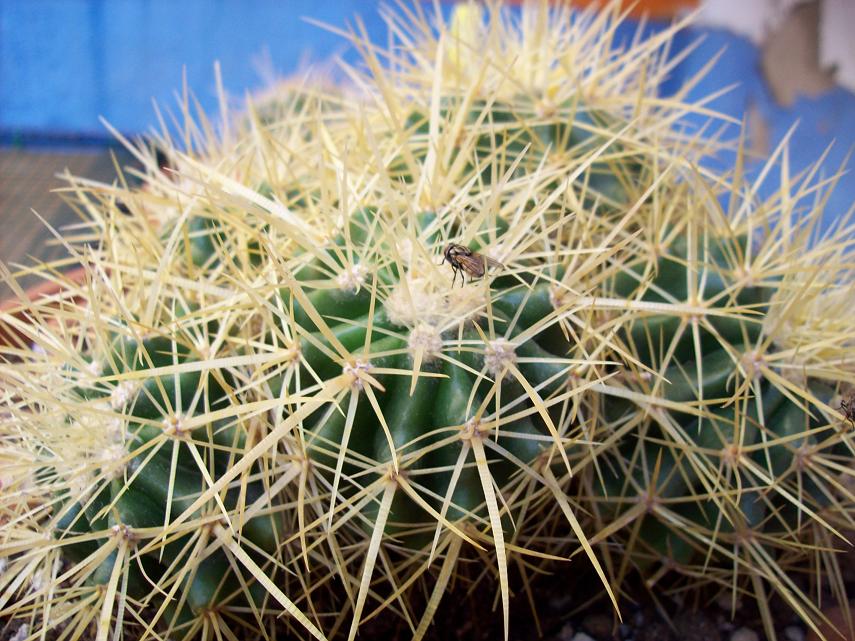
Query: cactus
point(271, 396)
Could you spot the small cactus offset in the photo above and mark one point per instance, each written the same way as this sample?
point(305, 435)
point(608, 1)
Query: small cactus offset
point(485, 304)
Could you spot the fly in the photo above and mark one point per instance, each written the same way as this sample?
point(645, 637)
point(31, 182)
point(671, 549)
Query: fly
point(847, 407)
point(465, 261)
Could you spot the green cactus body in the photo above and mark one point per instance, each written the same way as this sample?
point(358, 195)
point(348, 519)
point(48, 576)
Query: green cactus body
point(274, 405)
point(474, 370)
point(497, 134)
point(722, 432)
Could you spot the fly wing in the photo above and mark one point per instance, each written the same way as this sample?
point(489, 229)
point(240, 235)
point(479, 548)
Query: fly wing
point(472, 264)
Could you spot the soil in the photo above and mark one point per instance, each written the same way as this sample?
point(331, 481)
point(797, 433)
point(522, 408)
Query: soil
point(576, 610)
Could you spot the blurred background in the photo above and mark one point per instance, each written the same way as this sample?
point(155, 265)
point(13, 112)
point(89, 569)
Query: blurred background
point(67, 64)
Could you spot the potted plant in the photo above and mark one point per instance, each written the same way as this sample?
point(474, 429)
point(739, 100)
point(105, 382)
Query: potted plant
point(481, 315)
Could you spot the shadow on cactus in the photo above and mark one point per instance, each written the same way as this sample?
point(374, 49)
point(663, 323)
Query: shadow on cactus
point(267, 409)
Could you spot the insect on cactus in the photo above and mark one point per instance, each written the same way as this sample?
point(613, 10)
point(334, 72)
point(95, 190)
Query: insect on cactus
point(267, 408)
point(847, 407)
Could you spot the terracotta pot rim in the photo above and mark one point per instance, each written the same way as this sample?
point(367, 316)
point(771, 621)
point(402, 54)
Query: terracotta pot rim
point(9, 336)
point(46, 288)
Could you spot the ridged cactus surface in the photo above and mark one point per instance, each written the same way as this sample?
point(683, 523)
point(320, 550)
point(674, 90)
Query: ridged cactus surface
point(482, 313)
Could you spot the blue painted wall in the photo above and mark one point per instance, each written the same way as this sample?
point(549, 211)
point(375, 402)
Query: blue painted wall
point(825, 123)
point(64, 63)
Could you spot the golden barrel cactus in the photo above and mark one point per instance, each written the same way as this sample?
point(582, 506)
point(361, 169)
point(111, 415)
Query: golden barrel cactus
point(272, 404)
